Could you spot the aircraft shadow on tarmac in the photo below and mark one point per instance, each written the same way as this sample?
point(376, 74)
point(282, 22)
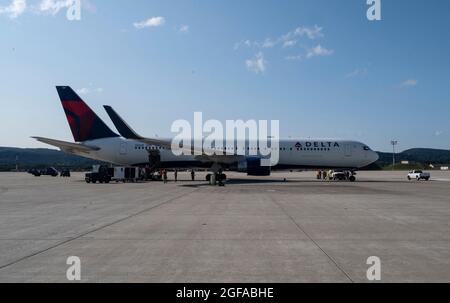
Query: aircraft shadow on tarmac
point(274, 182)
point(199, 183)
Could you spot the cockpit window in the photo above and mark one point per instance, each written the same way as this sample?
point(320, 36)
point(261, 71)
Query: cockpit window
point(366, 148)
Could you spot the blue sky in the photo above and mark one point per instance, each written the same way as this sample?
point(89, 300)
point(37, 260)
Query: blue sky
point(320, 67)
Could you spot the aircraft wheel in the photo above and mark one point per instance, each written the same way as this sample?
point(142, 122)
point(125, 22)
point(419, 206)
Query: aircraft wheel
point(352, 179)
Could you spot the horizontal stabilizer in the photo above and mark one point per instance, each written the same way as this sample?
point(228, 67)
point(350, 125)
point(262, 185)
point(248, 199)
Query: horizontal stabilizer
point(74, 148)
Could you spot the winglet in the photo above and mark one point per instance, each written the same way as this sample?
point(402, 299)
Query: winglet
point(124, 129)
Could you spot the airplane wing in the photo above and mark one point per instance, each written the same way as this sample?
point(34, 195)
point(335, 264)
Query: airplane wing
point(73, 148)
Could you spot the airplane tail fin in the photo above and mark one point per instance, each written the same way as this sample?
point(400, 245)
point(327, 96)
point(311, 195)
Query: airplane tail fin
point(124, 129)
point(83, 122)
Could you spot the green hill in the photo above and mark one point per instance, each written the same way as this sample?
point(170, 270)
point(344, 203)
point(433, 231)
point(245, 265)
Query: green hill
point(40, 158)
point(427, 156)
point(420, 156)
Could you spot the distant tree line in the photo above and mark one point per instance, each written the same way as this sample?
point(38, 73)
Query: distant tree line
point(42, 158)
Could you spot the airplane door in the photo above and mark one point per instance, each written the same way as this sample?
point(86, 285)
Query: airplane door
point(348, 150)
point(123, 149)
point(154, 158)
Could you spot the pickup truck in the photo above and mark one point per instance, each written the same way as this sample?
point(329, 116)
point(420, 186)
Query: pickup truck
point(100, 173)
point(418, 175)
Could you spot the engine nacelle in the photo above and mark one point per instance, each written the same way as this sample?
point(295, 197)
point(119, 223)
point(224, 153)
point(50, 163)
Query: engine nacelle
point(253, 167)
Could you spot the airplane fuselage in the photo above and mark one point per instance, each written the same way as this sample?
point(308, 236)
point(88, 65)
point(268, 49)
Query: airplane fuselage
point(293, 153)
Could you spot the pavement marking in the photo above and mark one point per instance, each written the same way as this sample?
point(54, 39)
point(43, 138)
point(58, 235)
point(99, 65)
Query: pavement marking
point(96, 229)
point(441, 180)
point(311, 239)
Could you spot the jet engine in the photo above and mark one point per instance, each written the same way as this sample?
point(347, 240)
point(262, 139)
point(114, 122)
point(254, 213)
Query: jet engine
point(253, 167)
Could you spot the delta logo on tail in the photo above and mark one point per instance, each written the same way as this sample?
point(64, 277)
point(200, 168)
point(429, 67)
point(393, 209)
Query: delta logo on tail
point(84, 123)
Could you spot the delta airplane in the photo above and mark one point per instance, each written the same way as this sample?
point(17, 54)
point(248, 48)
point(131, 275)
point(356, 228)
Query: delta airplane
point(95, 140)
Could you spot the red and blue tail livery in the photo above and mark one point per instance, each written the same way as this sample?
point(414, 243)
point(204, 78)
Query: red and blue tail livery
point(84, 123)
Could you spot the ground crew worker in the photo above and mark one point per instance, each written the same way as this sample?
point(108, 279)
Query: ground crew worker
point(193, 175)
point(165, 176)
point(176, 175)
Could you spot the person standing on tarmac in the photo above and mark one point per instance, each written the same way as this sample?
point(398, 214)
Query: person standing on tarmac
point(176, 175)
point(165, 176)
point(193, 175)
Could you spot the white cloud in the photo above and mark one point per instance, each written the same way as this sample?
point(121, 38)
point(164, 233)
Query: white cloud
point(152, 22)
point(268, 43)
point(357, 72)
point(86, 91)
point(286, 40)
point(289, 43)
point(409, 83)
point(311, 32)
point(257, 64)
point(15, 9)
point(53, 7)
point(246, 43)
point(318, 51)
point(439, 133)
point(296, 57)
point(184, 29)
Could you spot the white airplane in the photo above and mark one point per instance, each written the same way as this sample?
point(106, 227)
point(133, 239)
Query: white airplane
point(95, 140)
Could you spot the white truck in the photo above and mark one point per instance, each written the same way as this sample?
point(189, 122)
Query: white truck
point(418, 175)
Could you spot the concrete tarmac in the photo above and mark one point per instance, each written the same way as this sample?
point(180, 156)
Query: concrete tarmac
point(252, 230)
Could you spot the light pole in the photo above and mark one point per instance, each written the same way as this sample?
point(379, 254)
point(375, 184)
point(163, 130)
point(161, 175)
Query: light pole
point(394, 143)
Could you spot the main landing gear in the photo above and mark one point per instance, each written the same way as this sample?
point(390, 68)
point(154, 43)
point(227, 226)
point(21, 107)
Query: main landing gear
point(216, 179)
point(352, 178)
